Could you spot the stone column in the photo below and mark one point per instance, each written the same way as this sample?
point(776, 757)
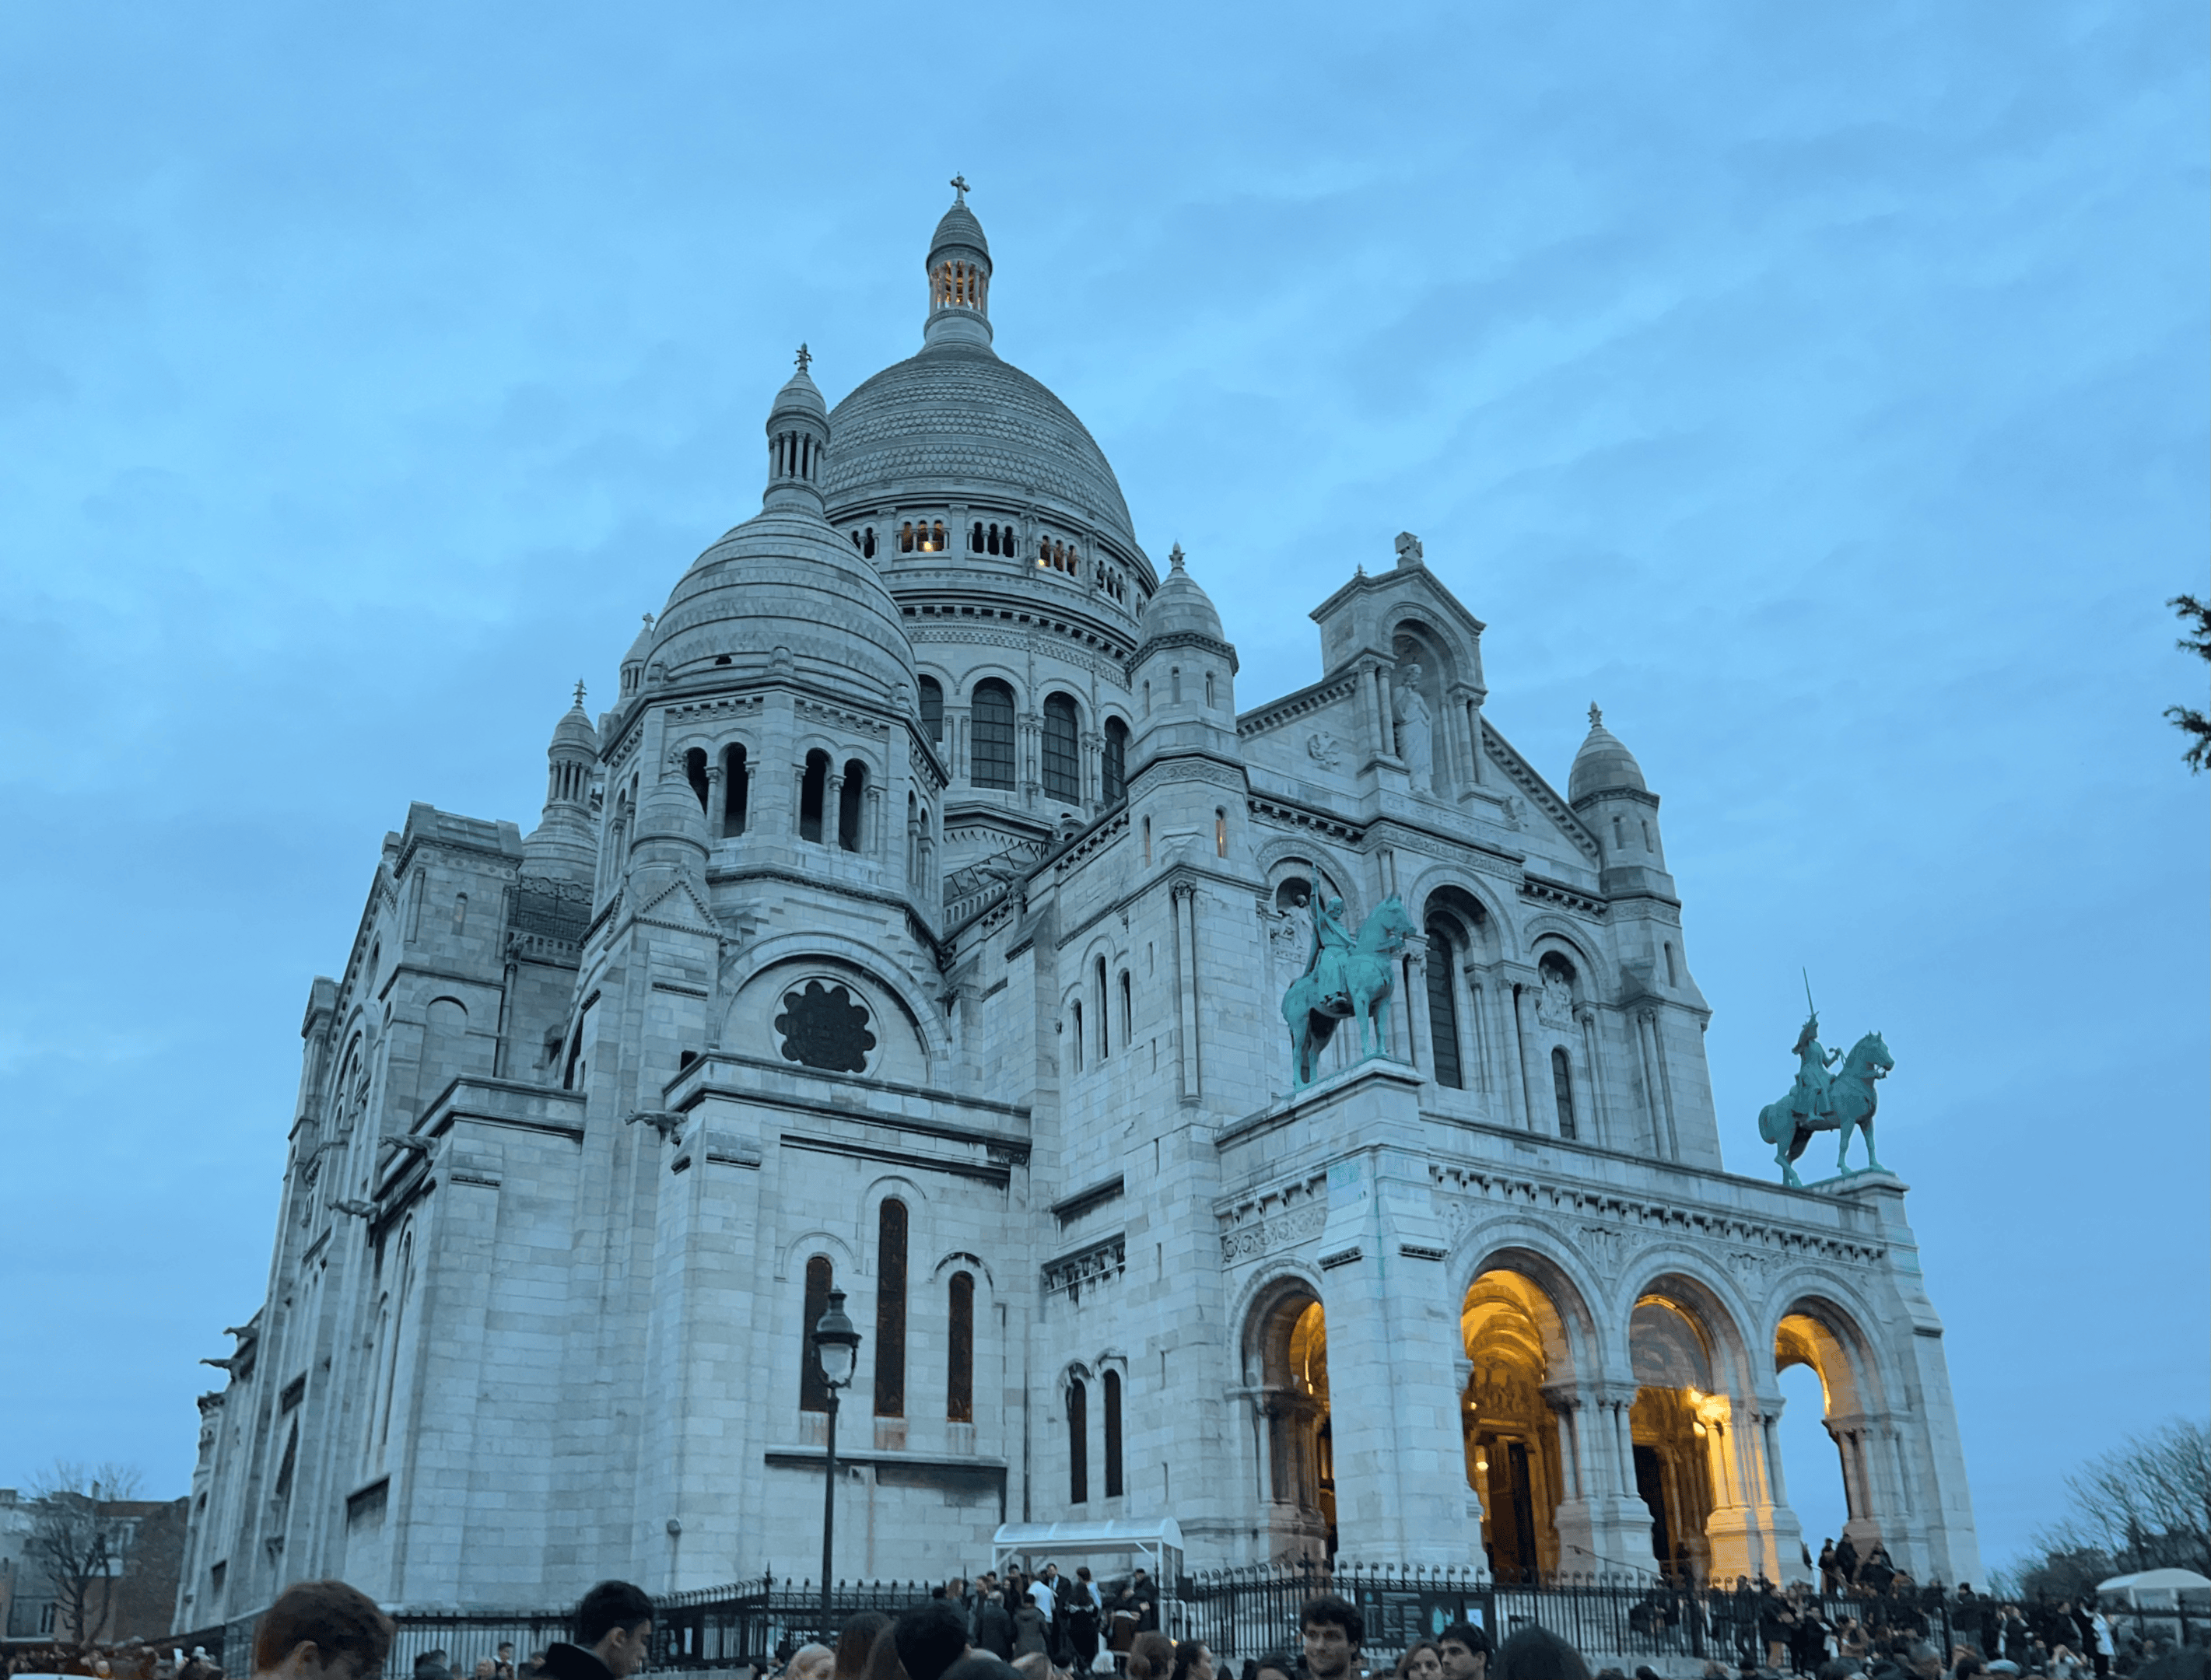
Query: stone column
point(1420, 1048)
point(1386, 711)
point(832, 808)
point(1618, 1521)
point(1474, 1071)
point(1184, 906)
point(1520, 1040)
point(798, 802)
point(871, 820)
point(1400, 1450)
point(716, 801)
point(1600, 1115)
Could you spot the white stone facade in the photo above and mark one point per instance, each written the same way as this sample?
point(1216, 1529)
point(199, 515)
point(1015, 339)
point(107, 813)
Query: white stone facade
point(926, 889)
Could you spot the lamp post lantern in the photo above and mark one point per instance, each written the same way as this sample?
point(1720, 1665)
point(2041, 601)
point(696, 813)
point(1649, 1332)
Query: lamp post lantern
point(837, 1347)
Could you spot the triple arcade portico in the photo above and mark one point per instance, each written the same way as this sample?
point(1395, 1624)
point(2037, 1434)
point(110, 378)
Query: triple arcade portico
point(915, 924)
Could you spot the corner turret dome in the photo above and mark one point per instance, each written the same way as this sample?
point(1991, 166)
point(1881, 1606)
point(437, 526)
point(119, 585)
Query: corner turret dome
point(784, 592)
point(1604, 766)
point(1181, 608)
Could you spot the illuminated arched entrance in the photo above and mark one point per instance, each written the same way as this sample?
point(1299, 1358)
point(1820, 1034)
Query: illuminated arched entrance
point(1289, 1346)
point(1672, 1354)
point(1514, 1340)
point(1817, 1334)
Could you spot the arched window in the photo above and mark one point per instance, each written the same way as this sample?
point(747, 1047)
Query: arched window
point(935, 543)
point(813, 788)
point(975, 539)
point(868, 544)
point(1220, 833)
point(1105, 1014)
point(694, 772)
point(848, 804)
point(1112, 1434)
point(890, 1309)
point(991, 540)
point(1562, 1087)
point(994, 735)
point(1147, 842)
point(460, 911)
point(1062, 769)
point(932, 710)
point(813, 1392)
point(1672, 977)
point(737, 787)
point(905, 537)
point(1078, 1442)
point(1116, 765)
point(959, 1379)
point(1647, 846)
point(1128, 1011)
point(1208, 691)
point(1077, 1039)
point(1443, 1007)
point(1174, 685)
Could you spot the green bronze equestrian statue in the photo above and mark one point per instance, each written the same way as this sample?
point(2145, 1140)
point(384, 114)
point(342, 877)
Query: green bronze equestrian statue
point(1347, 976)
point(1820, 1102)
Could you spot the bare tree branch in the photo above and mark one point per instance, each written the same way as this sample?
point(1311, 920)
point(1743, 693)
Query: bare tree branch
point(79, 1542)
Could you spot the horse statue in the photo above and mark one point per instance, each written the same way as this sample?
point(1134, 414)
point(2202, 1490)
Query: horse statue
point(1820, 1103)
point(1348, 976)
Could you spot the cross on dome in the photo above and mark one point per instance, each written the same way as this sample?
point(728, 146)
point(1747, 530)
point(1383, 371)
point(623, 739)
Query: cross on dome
point(805, 358)
point(1174, 557)
point(579, 694)
point(960, 188)
point(1597, 717)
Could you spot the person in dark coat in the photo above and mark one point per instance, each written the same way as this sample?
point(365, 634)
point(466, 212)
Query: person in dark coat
point(614, 1636)
point(1846, 1560)
point(994, 1629)
point(1031, 1631)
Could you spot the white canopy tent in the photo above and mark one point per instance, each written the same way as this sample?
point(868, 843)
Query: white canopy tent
point(2159, 1589)
point(1155, 1545)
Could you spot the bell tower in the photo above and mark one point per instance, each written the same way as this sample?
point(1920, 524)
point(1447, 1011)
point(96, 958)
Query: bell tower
point(958, 276)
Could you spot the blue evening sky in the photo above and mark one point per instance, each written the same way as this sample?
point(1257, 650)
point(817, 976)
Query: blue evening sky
point(1820, 388)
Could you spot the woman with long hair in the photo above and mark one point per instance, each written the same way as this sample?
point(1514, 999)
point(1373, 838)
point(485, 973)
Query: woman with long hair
point(1423, 1660)
point(857, 1637)
point(1192, 1661)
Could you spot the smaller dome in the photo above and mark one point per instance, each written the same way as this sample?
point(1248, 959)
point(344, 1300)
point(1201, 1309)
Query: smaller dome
point(959, 230)
point(575, 729)
point(1604, 766)
point(1180, 608)
point(799, 395)
point(641, 648)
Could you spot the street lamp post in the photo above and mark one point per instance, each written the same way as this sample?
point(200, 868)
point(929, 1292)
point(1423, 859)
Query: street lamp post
point(837, 1346)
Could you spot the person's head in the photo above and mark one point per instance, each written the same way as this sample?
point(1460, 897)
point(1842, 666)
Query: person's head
point(1967, 1665)
point(1051, 1572)
point(1334, 1630)
point(1923, 1660)
point(1192, 1661)
point(1422, 1661)
point(321, 1630)
point(1463, 1651)
point(486, 1668)
point(1032, 1665)
point(811, 1661)
point(1275, 1665)
point(855, 1640)
point(1150, 1656)
point(930, 1637)
point(981, 1666)
point(1082, 1572)
point(506, 1651)
point(1537, 1653)
point(614, 1624)
point(883, 1659)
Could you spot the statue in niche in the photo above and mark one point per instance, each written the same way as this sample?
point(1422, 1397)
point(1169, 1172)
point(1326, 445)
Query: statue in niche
point(1556, 1007)
point(1416, 732)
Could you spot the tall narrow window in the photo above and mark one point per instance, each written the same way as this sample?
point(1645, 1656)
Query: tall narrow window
point(1062, 769)
point(461, 913)
point(1078, 1442)
point(975, 539)
point(813, 789)
point(737, 786)
point(1443, 1008)
point(994, 735)
point(890, 1309)
point(1562, 1087)
point(1673, 978)
point(1220, 834)
point(848, 804)
point(905, 537)
point(932, 710)
point(813, 1392)
point(1112, 1434)
point(694, 772)
point(1105, 1014)
point(1115, 764)
point(960, 1381)
point(1128, 1011)
point(1078, 1038)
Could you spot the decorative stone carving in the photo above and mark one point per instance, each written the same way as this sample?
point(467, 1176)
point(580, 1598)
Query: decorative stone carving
point(1324, 750)
point(1416, 742)
point(822, 1027)
point(1262, 1237)
point(1555, 1006)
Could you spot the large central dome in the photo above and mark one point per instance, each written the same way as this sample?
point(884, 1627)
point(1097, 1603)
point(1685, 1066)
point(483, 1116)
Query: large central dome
point(957, 421)
point(956, 424)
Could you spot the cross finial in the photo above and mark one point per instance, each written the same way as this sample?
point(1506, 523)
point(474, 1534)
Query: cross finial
point(805, 358)
point(959, 186)
point(579, 694)
point(1174, 557)
point(1597, 717)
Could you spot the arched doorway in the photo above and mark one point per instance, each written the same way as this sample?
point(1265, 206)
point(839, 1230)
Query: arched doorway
point(1670, 1424)
point(1513, 1341)
point(1817, 1337)
point(1295, 1443)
